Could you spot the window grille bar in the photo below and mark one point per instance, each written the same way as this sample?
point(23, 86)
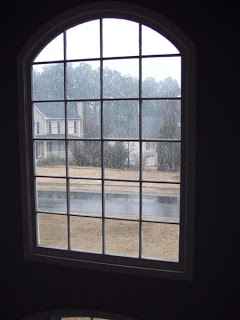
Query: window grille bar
point(109, 179)
point(119, 140)
point(107, 99)
point(183, 168)
point(110, 218)
point(140, 138)
point(102, 135)
point(66, 142)
point(108, 58)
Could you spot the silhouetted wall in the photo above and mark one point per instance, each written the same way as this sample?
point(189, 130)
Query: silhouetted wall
point(30, 287)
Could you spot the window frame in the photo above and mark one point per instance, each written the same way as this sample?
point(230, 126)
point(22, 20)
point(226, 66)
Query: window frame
point(183, 269)
point(61, 314)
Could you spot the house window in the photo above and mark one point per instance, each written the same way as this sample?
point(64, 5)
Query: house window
point(54, 127)
point(72, 126)
point(49, 146)
point(38, 149)
point(149, 145)
point(36, 127)
point(132, 89)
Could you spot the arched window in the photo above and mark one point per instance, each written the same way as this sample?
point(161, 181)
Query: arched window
point(107, 119)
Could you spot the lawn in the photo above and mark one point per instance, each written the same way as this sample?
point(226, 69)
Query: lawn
point(86, 172)
point(121, 237)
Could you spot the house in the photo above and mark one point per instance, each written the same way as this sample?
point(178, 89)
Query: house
point(129, 129)
point(49, 123)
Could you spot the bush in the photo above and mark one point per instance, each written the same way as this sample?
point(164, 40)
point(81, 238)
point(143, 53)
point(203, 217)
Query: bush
point(51, 161)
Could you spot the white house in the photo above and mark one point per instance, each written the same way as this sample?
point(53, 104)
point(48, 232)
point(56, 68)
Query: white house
point(49, 123)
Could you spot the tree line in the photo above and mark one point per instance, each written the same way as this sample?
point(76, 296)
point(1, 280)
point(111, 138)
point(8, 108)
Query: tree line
point(160, 118)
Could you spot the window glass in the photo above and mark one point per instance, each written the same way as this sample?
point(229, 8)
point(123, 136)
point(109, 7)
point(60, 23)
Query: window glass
point(53, 51)
point(121, 78)
point(48, 81)
point(120, 38)
point(78, 44)
point(154, 43)
point(83, 80)
point(116, 173)
point(161, 77)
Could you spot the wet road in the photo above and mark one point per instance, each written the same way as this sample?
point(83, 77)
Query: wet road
point(115, 203)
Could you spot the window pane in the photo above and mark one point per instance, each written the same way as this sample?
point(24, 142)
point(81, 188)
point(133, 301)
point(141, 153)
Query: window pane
point(161, 77)
point(121, 199)
point(122, 237)
point(120, 78)
point(47, 82)
point(51, 195)
point(161, 161)
point(75, 120)
point(78, 44)
point(53, 50)
point(160, 241)
point(120, 38)
point(86, 234)
point(88, 119)
point(161, 201)
point(121, 160)
point(49, 120)
point(155, 43)
point(83, 80)
point(52, 230)
point(84, 159)
point(161, 119)
point(121, 119)
point(86, 197)
point(50, 159)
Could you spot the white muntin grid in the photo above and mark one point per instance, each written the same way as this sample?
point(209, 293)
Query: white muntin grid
point(102, 140)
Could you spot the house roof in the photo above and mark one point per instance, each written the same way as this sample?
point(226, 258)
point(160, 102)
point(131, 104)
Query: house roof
point(55, 110)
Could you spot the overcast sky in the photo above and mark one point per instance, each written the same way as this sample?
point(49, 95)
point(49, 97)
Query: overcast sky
point(120, 38)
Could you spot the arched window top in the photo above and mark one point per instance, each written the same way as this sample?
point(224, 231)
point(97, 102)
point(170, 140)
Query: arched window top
point(108, 100)
point(120, 38)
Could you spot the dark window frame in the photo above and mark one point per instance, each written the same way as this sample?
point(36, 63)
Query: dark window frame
point(61, 314)
point(184, 268)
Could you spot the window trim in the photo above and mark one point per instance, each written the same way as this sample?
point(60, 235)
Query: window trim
point(180, 270)
point(58, 314)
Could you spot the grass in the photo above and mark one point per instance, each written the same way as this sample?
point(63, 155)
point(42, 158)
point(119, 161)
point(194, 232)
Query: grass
point(160, 241)
point(93, 185)
point(94, 172)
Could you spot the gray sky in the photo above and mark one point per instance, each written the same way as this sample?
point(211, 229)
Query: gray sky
point(120, 38)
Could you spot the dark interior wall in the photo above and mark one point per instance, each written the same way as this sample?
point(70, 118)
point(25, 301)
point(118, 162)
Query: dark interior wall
point(30, 287)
